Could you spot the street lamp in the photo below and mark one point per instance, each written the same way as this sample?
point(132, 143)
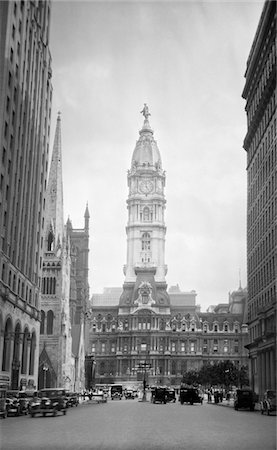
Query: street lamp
point(45, 368)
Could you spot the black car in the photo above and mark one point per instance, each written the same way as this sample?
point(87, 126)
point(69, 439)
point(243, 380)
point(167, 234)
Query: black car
point(72, 399)
point(170, 395)
point(49, 401)
point(189, 394)
point(159, 395)
point(244, 398)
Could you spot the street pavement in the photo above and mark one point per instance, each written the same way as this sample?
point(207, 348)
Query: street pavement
point(134, 425)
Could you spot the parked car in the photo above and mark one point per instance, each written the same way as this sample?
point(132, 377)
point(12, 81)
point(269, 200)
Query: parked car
point(50, 401)
point(116, 391)
point(268, 404)
point(3, 396)
point(21, 400)
point(171, 395)
point(12, 406)
point(190, 394)
point(159, 395)
point(244, 398)
point(72, 399)
point(129, 394)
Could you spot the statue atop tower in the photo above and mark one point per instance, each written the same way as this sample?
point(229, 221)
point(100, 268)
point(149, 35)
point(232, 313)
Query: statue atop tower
point(145, 111)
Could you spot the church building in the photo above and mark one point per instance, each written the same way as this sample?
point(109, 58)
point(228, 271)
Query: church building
point(147, 331)
point(64, 290)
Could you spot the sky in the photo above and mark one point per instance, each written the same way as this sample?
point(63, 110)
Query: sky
point(186, 60)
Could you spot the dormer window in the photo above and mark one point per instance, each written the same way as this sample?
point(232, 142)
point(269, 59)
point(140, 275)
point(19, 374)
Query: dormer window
point(215, 328)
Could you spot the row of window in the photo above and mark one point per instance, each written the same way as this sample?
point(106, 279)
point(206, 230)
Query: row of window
point(18, 286)
point(48, 285)
point(268, 297)
point(213, 346)
point(146, 324)
point(263, 78)
point(262, 249)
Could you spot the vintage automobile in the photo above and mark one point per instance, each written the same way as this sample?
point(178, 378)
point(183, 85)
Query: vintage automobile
point(244, 398)
point(159, 395)
point(170, 395)
point(129, 394)
point(12, 406)
point(49, 401)
point(3, 396)
point(116, 391)
point(268, 404)
point(72, 399)
point(190, 394)
point(22, 400)
point(99, 397)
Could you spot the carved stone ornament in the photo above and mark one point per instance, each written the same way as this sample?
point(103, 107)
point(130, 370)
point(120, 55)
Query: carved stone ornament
point(145, 295)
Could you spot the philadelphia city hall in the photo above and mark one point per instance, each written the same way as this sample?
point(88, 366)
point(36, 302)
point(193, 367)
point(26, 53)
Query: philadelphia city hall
point(143, 324)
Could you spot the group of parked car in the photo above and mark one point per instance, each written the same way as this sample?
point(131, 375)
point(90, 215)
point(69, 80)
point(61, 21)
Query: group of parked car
point(45, 401)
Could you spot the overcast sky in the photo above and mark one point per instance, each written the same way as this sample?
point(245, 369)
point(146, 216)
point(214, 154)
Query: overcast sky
point(186, 60)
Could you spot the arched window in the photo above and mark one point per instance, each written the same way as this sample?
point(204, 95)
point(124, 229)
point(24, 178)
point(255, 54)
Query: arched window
point(146, 241)
point(42, 322)
point(24, 351)
point(146, 214)
point(7, 346)
point(32, 354)
point(50, 319)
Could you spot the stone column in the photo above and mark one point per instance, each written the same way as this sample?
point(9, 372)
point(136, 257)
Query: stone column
point(272, 370)
point(9, 356)
point(267, 370)
point(1, 347)
point(262, 360)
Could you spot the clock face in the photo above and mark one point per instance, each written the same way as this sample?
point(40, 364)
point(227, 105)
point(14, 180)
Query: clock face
point(146, 186)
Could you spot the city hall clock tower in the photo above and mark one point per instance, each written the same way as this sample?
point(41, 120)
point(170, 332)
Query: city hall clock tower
point(146, 223)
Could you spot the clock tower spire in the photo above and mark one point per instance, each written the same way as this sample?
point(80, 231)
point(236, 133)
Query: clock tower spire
point(146, 202)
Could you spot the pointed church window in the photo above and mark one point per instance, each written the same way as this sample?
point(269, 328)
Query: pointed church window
point(50, 242)
point(50, 319)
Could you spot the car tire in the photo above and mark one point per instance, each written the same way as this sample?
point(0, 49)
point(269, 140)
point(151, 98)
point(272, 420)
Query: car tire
point(64, 412)
point(32, 415)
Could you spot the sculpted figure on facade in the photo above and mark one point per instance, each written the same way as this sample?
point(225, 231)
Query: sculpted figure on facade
point(145, 295)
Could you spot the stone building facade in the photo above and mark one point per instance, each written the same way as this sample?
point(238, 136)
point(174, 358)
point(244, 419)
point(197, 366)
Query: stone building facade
point(25, 114)
point(146, 325)
point(260, 145)
point(64, 288)
point(171, 341)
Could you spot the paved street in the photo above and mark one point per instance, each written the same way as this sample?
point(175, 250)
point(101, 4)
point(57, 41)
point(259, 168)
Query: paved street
point(131, 425)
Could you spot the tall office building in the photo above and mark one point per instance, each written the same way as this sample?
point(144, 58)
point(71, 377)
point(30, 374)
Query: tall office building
point(25, 110)
point(260, 145)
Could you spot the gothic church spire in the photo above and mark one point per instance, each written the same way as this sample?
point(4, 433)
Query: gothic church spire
point(54, 194)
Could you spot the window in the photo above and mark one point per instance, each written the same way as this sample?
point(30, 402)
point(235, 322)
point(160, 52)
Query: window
point(215, 328)
point(215, 347)
point(143, 347)
point(50, 319)
point(173, 347)
point(103, 347)
point(113, 347)
point(93, 348)
point(146, 214)
point(183, 347)
point(42, 322)
point(145, 242)
point(192, 347)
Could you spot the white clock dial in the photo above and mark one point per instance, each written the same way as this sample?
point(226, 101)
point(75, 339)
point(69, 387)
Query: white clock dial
point(146, 186)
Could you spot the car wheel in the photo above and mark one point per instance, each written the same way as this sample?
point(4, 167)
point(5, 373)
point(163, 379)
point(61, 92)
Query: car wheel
point(32, 415)
point(43, 414)
point(64, 412)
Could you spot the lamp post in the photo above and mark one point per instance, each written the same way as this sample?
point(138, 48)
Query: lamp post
point(44, 368)
point(144, 366)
